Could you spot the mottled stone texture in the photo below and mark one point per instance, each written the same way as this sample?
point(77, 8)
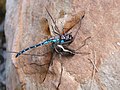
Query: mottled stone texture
point(26, 24)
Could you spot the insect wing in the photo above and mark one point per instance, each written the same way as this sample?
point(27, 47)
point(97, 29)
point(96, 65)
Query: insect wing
point(35, 62)
point(45, 27)
point(73, 21)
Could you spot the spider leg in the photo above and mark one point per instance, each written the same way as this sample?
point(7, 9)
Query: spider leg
point(56, 28)
point(84, 42)
point(85, 53)
point(78, 28)
point(49, 64)
point(60, 73)
point(30, 54)
point(54, 31)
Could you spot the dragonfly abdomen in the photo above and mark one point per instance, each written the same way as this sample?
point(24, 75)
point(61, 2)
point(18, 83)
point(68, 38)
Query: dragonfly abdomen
point(37, 45)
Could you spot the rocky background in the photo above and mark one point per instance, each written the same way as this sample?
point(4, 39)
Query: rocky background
point(2, 47)
point(25, 25)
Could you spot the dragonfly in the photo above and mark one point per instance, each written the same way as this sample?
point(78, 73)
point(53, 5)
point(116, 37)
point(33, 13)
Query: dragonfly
point(59, 45)
point(57, 41)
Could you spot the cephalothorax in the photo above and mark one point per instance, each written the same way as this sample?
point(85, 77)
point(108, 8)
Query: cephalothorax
point(63, 50)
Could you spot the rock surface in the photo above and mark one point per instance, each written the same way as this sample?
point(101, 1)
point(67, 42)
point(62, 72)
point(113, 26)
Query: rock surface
point(27, 23)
